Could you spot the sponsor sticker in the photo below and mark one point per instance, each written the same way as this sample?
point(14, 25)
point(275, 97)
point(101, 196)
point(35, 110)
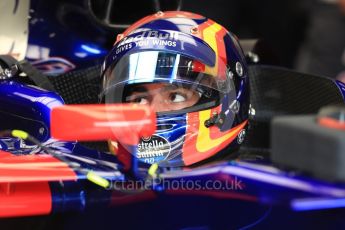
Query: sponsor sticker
point(153, 149)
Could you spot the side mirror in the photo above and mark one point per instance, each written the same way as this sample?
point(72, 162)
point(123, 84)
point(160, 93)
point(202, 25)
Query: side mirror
point(122, 122)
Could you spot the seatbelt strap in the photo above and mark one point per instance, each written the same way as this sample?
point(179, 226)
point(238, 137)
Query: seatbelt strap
point(42, 81)
point(7, 60)
point(36, 76)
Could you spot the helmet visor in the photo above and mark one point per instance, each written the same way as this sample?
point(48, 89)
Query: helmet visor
point(167, 81)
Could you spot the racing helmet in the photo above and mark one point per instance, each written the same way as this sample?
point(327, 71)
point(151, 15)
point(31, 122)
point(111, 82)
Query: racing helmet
point(178, 54)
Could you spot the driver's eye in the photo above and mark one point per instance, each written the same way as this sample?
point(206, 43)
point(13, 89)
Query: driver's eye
point(177, 97)
point(140, 100)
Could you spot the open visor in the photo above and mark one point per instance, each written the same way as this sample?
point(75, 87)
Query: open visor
point(132, 74)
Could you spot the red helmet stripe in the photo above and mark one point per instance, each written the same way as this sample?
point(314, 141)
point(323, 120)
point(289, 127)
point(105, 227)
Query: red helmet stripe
point(167, 14)
point(221, 53)
point(202, 142)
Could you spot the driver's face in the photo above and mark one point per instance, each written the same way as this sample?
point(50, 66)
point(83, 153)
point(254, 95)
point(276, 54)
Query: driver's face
point(163, 97)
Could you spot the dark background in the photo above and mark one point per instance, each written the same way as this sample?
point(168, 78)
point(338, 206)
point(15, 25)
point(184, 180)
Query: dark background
point(280, 24)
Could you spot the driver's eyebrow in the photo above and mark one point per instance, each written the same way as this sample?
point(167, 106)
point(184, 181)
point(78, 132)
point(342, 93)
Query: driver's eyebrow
point(173, 87)
point(139, 89)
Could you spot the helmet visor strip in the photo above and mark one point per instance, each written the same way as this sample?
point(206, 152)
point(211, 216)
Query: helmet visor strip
point(169, 77)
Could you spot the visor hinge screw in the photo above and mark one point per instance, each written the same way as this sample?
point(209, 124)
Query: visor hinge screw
point(216, 119)
point(239, 69)
point(159, 14)
point(194, 30)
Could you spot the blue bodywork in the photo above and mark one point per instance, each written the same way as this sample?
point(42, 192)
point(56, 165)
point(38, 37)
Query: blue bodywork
point(58, 43)
point(265, 193)
point(29, 107)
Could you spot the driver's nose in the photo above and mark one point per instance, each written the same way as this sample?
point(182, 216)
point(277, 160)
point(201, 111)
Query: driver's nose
point(158, 103)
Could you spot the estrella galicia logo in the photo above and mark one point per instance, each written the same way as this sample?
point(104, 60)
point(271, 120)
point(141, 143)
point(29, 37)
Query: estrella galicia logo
point(153, 149)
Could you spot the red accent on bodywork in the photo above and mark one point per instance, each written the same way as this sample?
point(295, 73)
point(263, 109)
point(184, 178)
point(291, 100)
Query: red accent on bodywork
point(331, 123)
point(25, 199)
point(124, 157)
point(215, 194)
point(31, 168)
point(124, 122)
point(120, 198)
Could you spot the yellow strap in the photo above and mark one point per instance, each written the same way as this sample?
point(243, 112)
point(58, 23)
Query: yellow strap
point(153, 169)
point(93, 177)
point(19, 133)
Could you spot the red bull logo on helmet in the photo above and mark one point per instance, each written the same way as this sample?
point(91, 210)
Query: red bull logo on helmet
point(152, 34)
